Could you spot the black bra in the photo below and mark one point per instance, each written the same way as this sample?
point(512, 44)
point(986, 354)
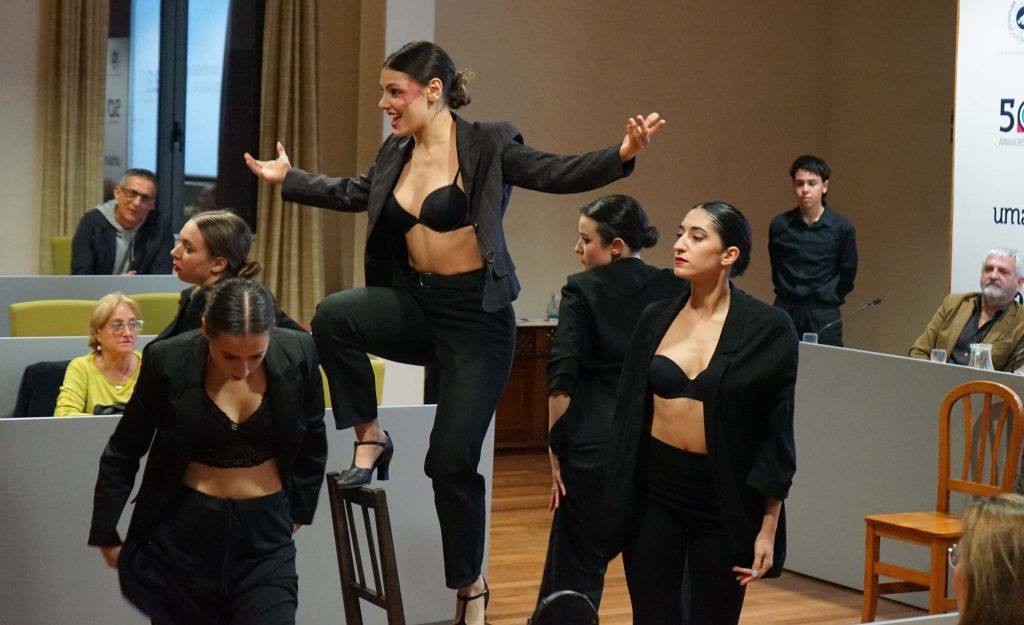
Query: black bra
point(444, 209)
point(228, 444)
point(669, 381)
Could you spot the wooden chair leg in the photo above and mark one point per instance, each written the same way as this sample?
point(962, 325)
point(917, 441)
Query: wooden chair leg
point(937, 583)
point(870, 577)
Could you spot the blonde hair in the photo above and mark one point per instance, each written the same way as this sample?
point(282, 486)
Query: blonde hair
point(101, 313)
point(992, 561)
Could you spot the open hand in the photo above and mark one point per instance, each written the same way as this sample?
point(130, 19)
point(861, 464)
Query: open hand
point(271, 171)
point(638, 134)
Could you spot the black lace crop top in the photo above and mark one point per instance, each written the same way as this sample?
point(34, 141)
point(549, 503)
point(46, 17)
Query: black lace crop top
point(444, 209)
point(669, 381)
point(227, 444)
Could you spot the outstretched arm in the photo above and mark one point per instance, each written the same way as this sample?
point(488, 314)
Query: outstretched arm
point(340, 194)
point(533, 169)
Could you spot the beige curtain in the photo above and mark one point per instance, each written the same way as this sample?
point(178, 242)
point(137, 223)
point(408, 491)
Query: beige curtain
point(289, 237)
point(72, 177)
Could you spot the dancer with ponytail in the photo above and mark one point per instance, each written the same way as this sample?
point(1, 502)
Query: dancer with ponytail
point(440, 279)
point(212, 246)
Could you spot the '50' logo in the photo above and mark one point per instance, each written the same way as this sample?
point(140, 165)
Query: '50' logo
point(1006, 111)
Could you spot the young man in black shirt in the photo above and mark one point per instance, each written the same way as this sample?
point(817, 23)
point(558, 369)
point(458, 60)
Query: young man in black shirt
point(813, 252)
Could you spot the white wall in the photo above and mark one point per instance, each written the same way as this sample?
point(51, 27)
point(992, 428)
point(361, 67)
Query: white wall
point(20, 128)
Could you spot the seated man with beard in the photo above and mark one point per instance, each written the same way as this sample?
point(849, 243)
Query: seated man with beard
point(991, 316)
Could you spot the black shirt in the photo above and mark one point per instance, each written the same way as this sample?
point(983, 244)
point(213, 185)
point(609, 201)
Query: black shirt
point(973, 333)
point(813, 264)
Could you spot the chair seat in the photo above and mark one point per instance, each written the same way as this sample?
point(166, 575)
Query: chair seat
point(923, 525)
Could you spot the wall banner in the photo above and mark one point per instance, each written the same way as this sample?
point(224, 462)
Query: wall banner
point(988, 156)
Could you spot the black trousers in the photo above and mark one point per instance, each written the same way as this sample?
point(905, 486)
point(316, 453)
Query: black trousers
point(216, 562)
point(575, 559)
point(811, 317)
point(428, 320)
point(679, 526)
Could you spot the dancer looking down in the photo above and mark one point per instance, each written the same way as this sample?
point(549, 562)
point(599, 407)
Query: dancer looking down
point(440, 279)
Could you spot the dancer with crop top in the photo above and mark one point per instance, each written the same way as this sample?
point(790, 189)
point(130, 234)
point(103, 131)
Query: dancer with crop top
point(232, 418)
point(440, 279)
point(703, 435)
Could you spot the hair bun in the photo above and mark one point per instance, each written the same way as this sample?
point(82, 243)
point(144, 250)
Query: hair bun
point(459, 94)
point(650, 236)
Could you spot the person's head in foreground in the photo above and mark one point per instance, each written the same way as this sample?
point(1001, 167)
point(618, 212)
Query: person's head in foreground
point(988, 572)
point(714, 243)
point(237, 323)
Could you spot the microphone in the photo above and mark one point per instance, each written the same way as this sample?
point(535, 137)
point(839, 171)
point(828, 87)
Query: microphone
point(874, 302)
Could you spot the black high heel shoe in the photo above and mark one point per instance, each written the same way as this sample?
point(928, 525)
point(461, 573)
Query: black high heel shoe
point(463, 603)
point(354, 477)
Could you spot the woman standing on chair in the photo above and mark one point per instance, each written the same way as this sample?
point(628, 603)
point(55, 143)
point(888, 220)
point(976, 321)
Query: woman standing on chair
point(212, 246)
point(440, 278)
point(232, 417)
point(704, 434)
point(599, 310)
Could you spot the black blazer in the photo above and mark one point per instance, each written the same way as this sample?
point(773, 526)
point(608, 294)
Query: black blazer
point(169, 398)
point(599, 311)
point(192, 304)
point(492, 158)
point(93, 247)
point(748, 420)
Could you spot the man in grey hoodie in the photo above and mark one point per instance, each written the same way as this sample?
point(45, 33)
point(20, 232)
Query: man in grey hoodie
point(125, 235)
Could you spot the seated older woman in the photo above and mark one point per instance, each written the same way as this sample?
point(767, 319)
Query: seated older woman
point(105, 377)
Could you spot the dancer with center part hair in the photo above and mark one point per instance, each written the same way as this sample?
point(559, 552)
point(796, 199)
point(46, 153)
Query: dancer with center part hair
point(440, 279)
point(703, 430)
point(232, 418)
point(597, 315)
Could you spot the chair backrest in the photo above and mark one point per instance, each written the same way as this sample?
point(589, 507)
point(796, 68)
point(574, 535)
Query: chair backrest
point(157, 309)
point(60, 255)
point(998, 441)
point(385, 592)
point(52, 317)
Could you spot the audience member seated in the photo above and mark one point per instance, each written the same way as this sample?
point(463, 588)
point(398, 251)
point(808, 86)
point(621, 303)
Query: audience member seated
point(988, 564)
point(212, 246)
point(126, 234)
point(102, 381)
point(991, 316)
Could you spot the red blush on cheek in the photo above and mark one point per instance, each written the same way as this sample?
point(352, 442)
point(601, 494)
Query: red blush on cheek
point(411, 94)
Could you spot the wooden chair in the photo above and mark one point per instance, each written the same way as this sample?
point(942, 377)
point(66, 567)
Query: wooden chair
point(386, 595)
point(939, 529)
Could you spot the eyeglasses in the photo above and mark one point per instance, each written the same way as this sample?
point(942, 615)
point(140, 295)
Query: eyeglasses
point(131, 194)
point(133, 325)
point(953, 555)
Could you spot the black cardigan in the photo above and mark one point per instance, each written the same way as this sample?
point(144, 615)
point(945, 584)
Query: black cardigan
point(169, 396)
point(748, 420)
point(93, 247)
point(599, 311)
point(492, 159)
point(192, 304)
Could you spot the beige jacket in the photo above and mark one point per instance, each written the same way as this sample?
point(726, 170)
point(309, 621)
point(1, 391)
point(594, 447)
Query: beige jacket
point(1006, 335)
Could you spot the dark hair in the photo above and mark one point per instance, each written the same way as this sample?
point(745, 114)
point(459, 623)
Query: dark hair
point(424, 60)
point(811, 163)
point(239, 306)
point(137, 172)
point(621, 216)
point(228, 236)
point(733, 228)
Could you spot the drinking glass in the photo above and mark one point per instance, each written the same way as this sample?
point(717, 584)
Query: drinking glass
point(810, 337)
point(938, 355)
point(981, 356)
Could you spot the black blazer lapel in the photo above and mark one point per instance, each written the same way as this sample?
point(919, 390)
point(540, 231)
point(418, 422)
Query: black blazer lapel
point(467, 144)
point(387, 169)
point(285, 404)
